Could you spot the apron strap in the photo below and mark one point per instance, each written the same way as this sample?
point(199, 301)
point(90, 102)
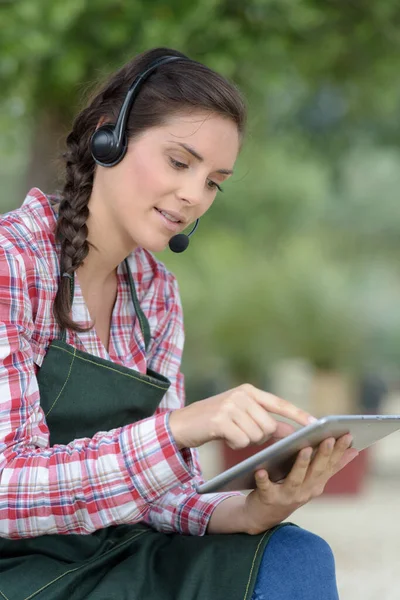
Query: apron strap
point(63, 337)
point(144, 324)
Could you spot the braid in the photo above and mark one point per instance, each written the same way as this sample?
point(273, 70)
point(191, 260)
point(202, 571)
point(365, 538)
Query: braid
point(71, 230)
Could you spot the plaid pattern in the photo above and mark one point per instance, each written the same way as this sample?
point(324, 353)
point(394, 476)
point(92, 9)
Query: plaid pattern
point(130, 474)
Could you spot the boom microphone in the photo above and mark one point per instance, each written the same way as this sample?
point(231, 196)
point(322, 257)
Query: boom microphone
point(179, 243)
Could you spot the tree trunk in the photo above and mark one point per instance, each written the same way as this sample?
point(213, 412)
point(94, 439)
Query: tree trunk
point(45, 168)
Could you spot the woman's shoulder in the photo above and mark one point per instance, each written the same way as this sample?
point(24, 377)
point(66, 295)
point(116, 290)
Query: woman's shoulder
point(29, 229)
point(28, 249)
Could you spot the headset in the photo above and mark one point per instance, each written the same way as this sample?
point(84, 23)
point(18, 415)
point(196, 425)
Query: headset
point(108, 143)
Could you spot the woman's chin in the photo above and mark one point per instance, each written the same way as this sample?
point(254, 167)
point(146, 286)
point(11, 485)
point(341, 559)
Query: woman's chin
point(153, 246)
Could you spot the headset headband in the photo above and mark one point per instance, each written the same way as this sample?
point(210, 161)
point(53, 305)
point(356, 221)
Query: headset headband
point(108, 143)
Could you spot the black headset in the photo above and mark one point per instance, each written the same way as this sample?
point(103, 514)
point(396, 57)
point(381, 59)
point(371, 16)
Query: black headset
point(108, 143)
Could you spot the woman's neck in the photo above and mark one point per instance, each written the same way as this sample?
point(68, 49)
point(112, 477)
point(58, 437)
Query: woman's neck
point(107, 249)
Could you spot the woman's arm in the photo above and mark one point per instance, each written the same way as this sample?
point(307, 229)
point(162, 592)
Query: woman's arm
point(181, 509)
point(229, 516)
point(89, 483)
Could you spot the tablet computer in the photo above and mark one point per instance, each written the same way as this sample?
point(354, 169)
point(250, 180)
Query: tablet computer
point(279, 458)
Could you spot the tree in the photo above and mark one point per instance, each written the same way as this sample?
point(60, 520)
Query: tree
point(51, 50)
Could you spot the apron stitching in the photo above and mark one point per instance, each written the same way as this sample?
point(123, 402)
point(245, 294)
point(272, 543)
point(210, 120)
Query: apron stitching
point(252, 564)
point(4, 596)
point(82, 566)
point(111, 369)
point(65, 383)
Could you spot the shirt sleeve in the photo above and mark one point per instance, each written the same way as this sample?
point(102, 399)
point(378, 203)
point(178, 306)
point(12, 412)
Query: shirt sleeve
point(88, 484)
point(181, 509)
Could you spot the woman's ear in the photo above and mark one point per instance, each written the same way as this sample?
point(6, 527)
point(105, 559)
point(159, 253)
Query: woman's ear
point(102, 121)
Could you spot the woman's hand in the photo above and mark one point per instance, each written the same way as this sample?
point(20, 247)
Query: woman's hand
point(240, 417)
point(270, 503)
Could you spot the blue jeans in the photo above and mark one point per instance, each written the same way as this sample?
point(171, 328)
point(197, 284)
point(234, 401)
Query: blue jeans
point(296, 565)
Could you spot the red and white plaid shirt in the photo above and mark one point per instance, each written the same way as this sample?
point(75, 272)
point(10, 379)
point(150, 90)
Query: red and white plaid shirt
point(130, 474)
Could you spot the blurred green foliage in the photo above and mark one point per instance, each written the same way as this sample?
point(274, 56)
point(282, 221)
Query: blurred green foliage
point(50, 47)
point(298, 257)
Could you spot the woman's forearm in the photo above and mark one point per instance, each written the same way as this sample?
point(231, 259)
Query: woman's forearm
point(229, 516)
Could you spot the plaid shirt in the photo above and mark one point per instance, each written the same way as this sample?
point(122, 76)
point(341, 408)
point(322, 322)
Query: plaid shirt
point(130, 474)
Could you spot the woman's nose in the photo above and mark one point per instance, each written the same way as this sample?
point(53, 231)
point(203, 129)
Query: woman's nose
point(192, 192)
point(192, 188)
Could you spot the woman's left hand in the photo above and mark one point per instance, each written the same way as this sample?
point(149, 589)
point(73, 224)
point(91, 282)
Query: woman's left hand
point(270, 503)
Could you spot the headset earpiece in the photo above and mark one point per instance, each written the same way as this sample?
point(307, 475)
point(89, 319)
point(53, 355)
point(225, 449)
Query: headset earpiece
point(106, 149)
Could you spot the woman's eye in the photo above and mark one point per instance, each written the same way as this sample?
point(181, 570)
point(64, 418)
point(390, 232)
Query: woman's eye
point(177, 164)
point(214, 185)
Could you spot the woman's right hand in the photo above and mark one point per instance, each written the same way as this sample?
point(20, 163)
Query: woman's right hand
point(240, 416)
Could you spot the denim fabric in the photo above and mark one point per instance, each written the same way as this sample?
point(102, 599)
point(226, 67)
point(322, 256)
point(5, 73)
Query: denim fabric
point(296, 565)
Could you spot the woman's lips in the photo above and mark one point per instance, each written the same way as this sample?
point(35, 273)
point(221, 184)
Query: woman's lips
point(170, 225)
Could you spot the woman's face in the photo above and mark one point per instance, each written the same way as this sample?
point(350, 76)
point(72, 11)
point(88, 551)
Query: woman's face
point(168, 178)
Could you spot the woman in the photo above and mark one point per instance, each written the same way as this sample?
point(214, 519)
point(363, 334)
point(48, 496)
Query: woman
point(97, 496)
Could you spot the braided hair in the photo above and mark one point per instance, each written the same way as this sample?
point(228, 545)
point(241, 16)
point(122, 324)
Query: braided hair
point(176, 87)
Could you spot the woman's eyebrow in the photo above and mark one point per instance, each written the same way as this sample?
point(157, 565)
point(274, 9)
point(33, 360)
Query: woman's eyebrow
point(194, 153)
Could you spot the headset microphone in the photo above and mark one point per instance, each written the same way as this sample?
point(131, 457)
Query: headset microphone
point(179, 242)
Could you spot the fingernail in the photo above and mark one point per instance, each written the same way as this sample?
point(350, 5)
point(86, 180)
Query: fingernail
point(312, 420)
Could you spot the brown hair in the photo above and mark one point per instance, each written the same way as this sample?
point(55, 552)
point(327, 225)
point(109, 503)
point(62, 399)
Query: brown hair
point(174, 87)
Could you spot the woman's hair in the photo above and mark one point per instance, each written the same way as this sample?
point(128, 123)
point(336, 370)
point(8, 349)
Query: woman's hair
point(175, 87)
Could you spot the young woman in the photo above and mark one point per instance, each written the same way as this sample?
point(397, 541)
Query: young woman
point(97, 459)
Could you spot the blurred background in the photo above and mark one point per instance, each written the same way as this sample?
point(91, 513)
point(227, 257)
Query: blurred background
point(292, 281)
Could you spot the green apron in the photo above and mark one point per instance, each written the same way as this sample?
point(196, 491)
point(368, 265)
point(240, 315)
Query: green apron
point(82, 394)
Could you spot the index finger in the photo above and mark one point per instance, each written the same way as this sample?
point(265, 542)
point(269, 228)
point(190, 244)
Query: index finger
point(281, 407)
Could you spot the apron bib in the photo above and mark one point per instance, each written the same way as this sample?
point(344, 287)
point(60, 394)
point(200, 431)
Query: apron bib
point(82, 394)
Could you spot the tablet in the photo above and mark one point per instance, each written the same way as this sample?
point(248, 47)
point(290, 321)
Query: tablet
point(279, 458)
